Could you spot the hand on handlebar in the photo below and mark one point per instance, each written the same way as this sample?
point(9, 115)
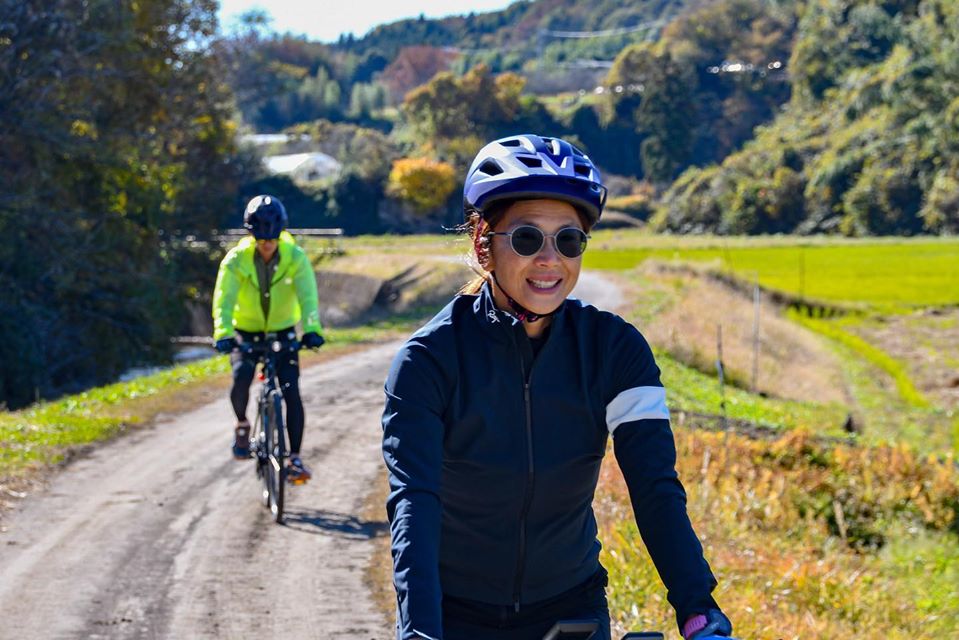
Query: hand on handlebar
point(225, 345)
point(716, 624)
point(313, 340)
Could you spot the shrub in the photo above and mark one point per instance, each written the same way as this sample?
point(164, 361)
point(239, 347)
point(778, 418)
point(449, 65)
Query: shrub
point(424, 183)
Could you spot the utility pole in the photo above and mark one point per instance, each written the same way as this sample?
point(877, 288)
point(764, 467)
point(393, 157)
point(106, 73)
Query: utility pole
point(802, 272)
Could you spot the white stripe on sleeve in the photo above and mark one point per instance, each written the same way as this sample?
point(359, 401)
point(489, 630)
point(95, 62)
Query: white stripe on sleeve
point(638, 403)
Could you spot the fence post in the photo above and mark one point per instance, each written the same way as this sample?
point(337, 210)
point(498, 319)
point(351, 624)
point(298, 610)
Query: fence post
point(722, 378)
point(756, 299)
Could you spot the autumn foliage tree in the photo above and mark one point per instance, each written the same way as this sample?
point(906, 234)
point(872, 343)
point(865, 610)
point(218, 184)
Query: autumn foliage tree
point(426, 184)
point(414, 66)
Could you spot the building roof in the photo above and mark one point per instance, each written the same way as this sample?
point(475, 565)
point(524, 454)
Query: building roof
point(295, 163)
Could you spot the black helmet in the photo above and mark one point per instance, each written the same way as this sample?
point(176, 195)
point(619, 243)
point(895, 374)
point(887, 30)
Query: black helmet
point(530, 166)
point(265, 217)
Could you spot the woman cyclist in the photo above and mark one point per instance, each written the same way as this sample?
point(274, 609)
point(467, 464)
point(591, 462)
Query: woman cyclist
point(497, 417)
point(266, 285)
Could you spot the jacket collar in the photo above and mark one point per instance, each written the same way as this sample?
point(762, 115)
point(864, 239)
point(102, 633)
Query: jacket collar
point(492, 318)
point(285, 246)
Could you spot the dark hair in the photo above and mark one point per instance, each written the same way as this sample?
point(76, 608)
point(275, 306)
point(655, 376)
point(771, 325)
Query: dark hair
point(475, 226)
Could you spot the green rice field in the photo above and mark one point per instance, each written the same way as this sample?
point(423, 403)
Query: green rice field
point(887, 275)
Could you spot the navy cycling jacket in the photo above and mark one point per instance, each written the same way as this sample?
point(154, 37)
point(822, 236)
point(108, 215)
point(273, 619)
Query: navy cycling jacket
point(494, 455)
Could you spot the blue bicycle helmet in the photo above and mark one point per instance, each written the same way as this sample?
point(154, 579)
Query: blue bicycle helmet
point(265, 217)
point(528, 166)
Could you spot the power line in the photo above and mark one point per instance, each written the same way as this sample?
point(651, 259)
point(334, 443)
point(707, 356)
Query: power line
point(642, 26)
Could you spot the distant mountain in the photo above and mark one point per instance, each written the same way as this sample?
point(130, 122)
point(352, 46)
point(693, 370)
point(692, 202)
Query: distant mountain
point(557, 45)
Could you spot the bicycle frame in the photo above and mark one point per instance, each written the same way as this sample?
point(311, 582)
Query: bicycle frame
point(269, 444)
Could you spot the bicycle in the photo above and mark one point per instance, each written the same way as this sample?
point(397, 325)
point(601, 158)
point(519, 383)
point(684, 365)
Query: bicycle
point(585, 629)
point(267, 442)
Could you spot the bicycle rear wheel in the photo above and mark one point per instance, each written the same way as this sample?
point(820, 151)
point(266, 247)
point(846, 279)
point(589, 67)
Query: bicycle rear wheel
point(275, 476)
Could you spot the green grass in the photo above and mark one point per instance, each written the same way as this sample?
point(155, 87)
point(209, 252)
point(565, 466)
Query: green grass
point(44, 433)
point(690, 390)
point(887, 274)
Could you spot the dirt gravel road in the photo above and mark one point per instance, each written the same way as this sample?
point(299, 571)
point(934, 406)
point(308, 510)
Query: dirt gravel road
point(159, 534)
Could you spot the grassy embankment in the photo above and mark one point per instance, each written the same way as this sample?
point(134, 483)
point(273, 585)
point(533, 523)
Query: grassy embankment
point(810, 539)
point(862, 282)
point(49, 432)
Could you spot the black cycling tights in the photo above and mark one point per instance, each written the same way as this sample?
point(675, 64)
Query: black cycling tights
point(288, 371)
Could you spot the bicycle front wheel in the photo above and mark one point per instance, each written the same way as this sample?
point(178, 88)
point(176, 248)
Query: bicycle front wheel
point(275, 469)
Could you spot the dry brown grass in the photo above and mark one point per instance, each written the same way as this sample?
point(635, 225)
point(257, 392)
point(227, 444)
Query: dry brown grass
point(414, 280)
point(374, 265)
point(793, 362)
point(808, 539)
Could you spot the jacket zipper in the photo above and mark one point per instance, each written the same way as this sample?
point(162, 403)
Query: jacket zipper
point(528, 497)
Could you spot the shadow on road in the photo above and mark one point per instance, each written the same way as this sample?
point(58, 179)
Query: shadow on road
point(337, 524)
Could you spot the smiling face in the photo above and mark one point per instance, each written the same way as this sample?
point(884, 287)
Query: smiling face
point(540, 282)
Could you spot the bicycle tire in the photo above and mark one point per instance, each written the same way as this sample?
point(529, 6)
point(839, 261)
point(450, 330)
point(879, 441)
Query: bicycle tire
point(261, 448)
point(276, 470)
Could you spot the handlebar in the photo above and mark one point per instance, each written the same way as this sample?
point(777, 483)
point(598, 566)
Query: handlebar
point(271, 344)
point(585, 629)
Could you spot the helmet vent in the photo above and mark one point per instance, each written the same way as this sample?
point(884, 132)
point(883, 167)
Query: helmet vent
point(581, 169)
point(491, 168)
point(510, 143)
point(533, 163)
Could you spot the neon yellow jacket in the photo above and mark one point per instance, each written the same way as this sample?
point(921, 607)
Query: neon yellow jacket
point(236, 298)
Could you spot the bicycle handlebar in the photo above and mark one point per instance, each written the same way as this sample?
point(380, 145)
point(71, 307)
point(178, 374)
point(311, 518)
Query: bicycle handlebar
point(586, 629)
point(271, 344)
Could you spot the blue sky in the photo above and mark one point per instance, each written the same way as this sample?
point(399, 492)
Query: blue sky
point(325, 20)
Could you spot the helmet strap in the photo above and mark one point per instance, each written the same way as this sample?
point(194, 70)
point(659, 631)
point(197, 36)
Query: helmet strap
point(522, 313)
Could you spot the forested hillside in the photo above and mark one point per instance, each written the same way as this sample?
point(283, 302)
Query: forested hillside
point(846, 106)
point(655, 102)
point(868, 144)
point(281, 79)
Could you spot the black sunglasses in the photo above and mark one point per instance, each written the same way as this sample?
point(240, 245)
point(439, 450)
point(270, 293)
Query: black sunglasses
point(528, 240)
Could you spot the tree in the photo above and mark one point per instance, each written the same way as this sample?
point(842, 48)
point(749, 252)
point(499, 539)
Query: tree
point(476, 105)
point(115, 143)
point(414, 66)
point(659, 93)
point(424, 183)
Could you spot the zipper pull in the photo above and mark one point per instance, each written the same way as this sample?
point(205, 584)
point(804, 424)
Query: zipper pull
point(516, 607)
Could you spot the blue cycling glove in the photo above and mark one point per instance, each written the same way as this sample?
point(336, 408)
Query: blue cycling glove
point(225, 345)
point(313, 340)
point(712, 623)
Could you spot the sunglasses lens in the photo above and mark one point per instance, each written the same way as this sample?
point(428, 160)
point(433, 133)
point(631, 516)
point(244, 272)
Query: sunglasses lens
point(571, 242)
point(527, 241)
